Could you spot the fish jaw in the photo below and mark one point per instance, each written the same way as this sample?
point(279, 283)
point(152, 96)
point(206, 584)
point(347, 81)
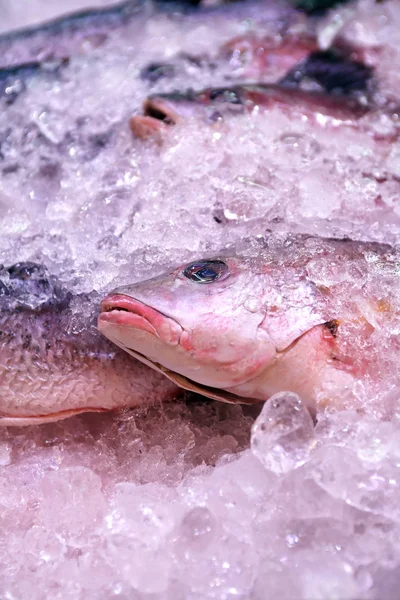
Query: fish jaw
point(163, 111)
point(145, 127)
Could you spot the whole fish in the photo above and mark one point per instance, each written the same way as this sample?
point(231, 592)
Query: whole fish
point(296, 314)
point(53, 362)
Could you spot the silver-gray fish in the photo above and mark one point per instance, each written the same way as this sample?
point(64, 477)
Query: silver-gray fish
point(53, 361)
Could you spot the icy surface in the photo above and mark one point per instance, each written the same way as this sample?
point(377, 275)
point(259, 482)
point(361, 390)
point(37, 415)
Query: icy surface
point(156, 504)
point(197, 500)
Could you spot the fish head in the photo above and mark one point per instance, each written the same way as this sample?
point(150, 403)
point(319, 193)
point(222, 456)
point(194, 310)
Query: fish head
point(211, 325)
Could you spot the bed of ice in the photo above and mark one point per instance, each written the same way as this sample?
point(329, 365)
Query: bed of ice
point(194, 499)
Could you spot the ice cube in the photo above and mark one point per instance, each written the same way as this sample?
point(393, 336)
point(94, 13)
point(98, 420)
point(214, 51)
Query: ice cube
point(283, 435)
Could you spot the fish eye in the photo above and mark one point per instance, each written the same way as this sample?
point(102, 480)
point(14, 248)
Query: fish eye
point(206, 271)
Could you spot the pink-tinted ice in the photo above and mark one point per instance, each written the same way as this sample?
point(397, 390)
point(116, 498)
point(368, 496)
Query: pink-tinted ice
point(197, 499)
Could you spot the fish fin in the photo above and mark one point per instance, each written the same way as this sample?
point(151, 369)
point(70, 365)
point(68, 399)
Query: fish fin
point(9, 421)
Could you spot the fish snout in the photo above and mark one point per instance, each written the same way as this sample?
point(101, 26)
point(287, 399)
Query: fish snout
point(126, 313)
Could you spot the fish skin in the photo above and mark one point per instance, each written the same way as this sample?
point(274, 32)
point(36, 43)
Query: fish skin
point(47, 48)
point(53, 361)
point(335, 73)
point(267, 327)
point(265, 56)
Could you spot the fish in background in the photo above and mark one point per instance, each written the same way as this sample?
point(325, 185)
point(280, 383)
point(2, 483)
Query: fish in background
point(317, 6)
point(164, 110)
point(53, 362)
point(312, 83)
point(291, 313)
point(35, 60)
point(46, 48)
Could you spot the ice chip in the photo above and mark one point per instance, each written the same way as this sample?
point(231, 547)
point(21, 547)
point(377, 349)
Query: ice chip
point(283, 435)
point(198, 529)
point(373, 488)
point(72, 501)
point(5, 455)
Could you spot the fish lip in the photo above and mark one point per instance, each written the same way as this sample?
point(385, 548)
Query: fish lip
point(158, 117)
point(123, 310)
point(145, 127)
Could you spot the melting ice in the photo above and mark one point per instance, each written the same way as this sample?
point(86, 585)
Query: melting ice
point(194, 499)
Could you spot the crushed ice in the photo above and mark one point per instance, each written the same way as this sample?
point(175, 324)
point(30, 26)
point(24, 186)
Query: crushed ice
point(195, 499)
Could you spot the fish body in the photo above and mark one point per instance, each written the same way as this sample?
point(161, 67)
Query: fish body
point(82, 31)
point(241, 327)
point(53, 362)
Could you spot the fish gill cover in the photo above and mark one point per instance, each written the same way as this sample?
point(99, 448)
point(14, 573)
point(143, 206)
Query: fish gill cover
point(197, 499)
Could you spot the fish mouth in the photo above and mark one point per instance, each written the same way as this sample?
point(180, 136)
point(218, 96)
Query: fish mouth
point(158, 116)
point(160, 109)
point(123, 311)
